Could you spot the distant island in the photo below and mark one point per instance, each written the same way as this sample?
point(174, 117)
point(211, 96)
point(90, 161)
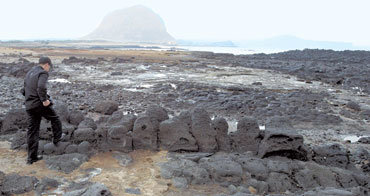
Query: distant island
point(137, 24)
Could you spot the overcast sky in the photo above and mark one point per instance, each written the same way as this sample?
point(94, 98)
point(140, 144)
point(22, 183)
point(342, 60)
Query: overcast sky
point(325, 20)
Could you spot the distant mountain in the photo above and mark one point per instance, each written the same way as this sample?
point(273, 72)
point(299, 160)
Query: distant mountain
point(205, 43)
point(136, 24)
point(291, 43)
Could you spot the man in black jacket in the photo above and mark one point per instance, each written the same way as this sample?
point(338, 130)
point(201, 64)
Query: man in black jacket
point(38, 105)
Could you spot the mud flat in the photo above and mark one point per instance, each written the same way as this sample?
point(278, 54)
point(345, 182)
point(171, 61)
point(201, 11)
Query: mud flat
point(192, 123)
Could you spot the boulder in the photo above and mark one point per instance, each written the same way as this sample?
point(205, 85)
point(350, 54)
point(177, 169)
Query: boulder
point(353, 105)
point(329, 191)
point(247, 137)
point(96, 189)
point(62, 111)
point(84, 148)
point(145, 133)
point(88, 123)
point(73, 148)
point(187, 169)
point(174, 136)
point(256, 167)
point(364, 140)
point(283, 144)
point(84, 134)
point(365, 114)
point(18, 139)
point(50, 148)
point(279, 182)
point(106, 107)
point(119, 138)
point(222, 169)
point(202, 131)
point(16, 184)
point(115, 117)
point(15, 119)
point(221, 127)
point(66, 162)
point(75, 117)
point(45, 184)
point(156, 112)
point(331, 155)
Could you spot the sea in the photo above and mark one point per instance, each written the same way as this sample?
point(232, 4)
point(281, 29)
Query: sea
point(230, 50)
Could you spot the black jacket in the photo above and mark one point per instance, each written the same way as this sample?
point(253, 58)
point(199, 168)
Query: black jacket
point(35, 90)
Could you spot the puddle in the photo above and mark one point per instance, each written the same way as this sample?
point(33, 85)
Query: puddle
point(352, 138)
point(60, 80)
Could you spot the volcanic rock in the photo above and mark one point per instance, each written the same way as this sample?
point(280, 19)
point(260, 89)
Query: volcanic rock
point(66, 162)
point(247, 137)
point(221, 127)
point(88, 123)
point(75, 117)
point(145, 133)
point(106, 107)
point(175, 136)
point(84, 134)
point(96, 189)
point(15, 119)
point(156, 112)
point(119, 138)
point(282, 144)
point(16, 184)
point(331, 155)
point(222, 169)
point(202, 131)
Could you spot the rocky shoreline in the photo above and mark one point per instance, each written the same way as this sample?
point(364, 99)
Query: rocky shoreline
point(243, 123)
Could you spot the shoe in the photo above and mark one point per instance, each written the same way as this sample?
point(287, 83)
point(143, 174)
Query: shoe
point(30, 161)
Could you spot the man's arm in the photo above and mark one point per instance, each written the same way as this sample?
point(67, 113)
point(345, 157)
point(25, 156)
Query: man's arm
point(41, 87)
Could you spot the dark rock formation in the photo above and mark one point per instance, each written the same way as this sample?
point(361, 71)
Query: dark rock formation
point(96, 189)
point(65, 163)
point(88, 123)
point(364, 140)
point(283, 144)
point(15, 119)
point(222, 169)
point(331, 155)
point(156, 112)
point(45, 184)
point(84, 134)
point(145, 133)
point(221, 127)
point(134, 24)
point(175, 136)
point(187, 169)
point(75, 117)
point(18, 139)
point(119, 138)
point(354, 106)
point(247, 137)
point(106, 107)
point(20, 68)
point(16, 184)
point(202, 131)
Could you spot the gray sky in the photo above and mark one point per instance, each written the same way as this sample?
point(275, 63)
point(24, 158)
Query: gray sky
point(325, 20)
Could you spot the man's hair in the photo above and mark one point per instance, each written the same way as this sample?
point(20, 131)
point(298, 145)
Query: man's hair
point(44, 60)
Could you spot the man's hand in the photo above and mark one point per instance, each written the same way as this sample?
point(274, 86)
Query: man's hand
point(46, 103)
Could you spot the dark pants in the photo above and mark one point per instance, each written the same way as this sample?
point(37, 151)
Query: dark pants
point(34, 120)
